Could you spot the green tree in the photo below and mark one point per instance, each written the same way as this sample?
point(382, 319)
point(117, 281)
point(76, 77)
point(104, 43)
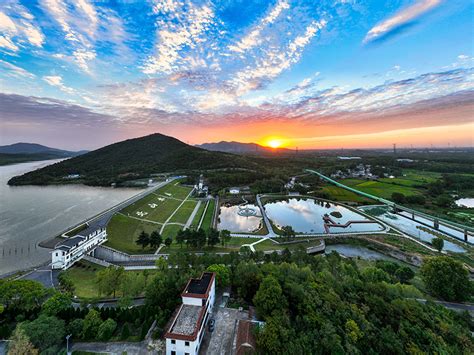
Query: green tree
point(75, 327)
point(446, 278)
point(106, 329)
point(181, 237)
point(132, 284)
point(438, 243)
point(247, 279)
point(155, 239)
point(225, 236)
point(24, 295)
point(91, 325)
point(168, 241)
point(110, 279)
point(45, 331)
point(125, 332)
point(404, 274)
point(200, 236)
point(269, 297)
point(212, 237)
point(57, 303)
point(143, 239)
point(20, 344)
point(288, 232)
point(65, 283)
point(443, 200)
point(222, 274)
point(398, 197)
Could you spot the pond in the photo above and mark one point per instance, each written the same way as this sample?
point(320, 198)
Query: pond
point(467, 202)
point(410, 227)
point(354, 251)
point(237, 219)
point(306, 216)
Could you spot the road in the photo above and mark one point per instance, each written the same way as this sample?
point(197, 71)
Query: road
point(271, 233)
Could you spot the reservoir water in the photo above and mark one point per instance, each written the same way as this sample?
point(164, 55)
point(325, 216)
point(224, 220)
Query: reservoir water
point(232, 220)
point(32, 214)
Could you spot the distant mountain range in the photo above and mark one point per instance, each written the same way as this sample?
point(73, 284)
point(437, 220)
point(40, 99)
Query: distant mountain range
point(33, 148)
point(23, 152)
point(240, 148)
point(131, 159)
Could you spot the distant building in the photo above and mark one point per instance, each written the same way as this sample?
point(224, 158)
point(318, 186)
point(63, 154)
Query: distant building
point(200, 188)
point(72, 249)
point(187, 328)
point(349, 158)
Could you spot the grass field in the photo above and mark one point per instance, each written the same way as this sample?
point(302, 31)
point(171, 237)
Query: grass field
point(207, 222)
point(182, 215)
point(197, 217)
point(125, 226)
point(234, 244)
point(123, 231)
point(83, 276)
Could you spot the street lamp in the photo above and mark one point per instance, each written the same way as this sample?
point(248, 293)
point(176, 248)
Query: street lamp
point(67, 343)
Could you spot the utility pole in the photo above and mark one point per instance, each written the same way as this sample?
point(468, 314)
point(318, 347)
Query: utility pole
point(67, 344)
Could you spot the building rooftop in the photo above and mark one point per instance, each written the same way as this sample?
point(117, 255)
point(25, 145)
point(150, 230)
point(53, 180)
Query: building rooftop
point(92, 228)
point(199, 286)
point(187, 320)
point(70, 242)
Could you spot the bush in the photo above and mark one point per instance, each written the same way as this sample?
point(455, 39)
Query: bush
point(416, 199)
point(75, 327)
point(106, 329)
point(125, 332)
point(398, 197)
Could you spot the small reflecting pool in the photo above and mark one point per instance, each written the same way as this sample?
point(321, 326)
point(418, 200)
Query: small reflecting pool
point(306, 215)
point(240, 219)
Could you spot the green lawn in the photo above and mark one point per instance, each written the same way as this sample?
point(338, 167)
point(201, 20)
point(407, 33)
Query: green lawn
point(175, 190)
point(197, 217)
point(171, 231)
point(123, 232)
point(82, 275)
point(182, 215)
point(207, 222)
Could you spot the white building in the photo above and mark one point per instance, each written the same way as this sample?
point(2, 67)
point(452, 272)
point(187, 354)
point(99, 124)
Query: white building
point(187, 329)
point(73, 249)
point(234, 190)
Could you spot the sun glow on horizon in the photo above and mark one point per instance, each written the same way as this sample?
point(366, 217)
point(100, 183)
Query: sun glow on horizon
point(273, 142)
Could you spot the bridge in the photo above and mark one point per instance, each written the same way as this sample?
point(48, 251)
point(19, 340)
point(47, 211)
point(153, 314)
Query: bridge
point(435, 222)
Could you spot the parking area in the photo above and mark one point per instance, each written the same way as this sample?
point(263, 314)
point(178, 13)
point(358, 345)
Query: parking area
point(43, 275)
point(220, 341)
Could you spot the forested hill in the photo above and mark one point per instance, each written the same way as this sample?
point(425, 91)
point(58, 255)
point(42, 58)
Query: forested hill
point(133, 158)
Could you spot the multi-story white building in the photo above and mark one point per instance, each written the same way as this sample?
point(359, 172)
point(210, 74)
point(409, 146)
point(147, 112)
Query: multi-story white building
point(72, 249)
point(187, 328)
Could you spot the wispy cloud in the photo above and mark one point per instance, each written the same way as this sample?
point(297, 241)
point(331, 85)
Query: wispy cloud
point(16, 71)
point(57, 81)
point(253, 38)
point(17, 27)
point(275, 61)
point(401, 18)
point(181, 26)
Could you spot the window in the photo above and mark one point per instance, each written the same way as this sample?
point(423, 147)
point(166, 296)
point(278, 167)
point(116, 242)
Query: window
point(173, 352)
point(186, 343)
point(56, 254)
point(173, 341)
point(186, 353)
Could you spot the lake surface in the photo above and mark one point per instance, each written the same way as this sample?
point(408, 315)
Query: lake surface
point(32, 214)
point(412, 227)
point(354, 251)
point(230, 219)
point(306, 216)
point(465, 202)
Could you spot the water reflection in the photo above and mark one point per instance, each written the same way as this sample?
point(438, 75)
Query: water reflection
point(232, 220)
point(306, 216)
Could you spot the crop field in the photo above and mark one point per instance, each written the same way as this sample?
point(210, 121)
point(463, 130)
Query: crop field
point(379, 188)
point(339, 194)
point(150, 214)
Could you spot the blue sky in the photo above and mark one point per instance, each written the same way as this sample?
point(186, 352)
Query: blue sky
point(81, 74)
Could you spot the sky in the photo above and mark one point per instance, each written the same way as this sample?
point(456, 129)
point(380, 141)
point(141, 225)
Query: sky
point(82, 74)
